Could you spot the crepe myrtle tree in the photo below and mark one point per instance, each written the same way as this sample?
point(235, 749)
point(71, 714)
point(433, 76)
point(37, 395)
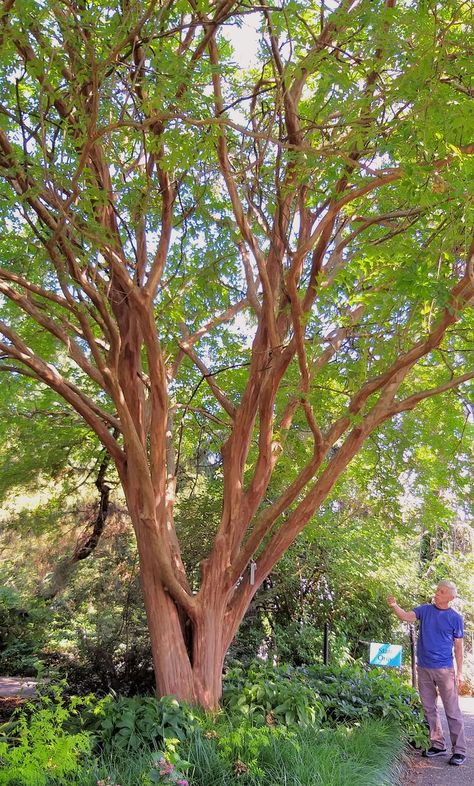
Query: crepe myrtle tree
point(282, 251)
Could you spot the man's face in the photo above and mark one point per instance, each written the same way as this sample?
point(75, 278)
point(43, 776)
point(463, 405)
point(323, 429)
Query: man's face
point(443, 595)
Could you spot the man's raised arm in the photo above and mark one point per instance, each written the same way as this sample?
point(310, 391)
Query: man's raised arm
point(405, 616)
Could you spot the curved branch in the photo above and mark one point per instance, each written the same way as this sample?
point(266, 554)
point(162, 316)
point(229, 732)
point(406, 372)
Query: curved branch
point(382, 178)
point(411, 401)
point(46, 373)
point(239, 213)
point(74, 351)
point(207, 375)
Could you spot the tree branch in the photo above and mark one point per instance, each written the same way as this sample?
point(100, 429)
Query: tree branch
point(46, 373)
point(219, 395)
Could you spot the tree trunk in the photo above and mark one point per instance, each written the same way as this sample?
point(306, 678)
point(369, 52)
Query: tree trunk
point(173, 672)
point(188, 654)
point(186, 635)
point(209, 648)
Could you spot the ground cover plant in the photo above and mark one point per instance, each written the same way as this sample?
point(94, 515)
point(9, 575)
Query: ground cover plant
point(326, 695)
point(278, 725)
point(233, 752)
point(303, 756)
point(128, 723)
point(44, 743)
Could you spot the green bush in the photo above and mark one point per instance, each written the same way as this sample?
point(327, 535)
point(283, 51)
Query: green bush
point(130, 723)
point(297, 644)
point(21, 633)
point(324, 695)
point(41, 747)
point(98, 638)
point(350, 694)
point(272, 695)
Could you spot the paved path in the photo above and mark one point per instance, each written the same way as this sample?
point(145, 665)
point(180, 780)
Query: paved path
point(437, 772)
point(21, 687)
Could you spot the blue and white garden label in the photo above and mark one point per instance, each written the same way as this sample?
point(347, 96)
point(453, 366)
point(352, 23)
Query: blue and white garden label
point(385, 654)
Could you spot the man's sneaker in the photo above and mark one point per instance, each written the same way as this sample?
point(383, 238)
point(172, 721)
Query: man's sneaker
point(457, 759)
point(435, 752)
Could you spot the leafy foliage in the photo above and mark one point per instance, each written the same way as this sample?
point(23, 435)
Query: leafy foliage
point(98, 634)
point(350, 694)
point(129, 723)
point(44, 749)
point(264, 693)
point(115, 741)
point(343, 695)
point(22, 633)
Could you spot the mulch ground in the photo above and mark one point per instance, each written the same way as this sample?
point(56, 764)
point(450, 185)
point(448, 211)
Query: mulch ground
point(8, 707)
point(14, 691)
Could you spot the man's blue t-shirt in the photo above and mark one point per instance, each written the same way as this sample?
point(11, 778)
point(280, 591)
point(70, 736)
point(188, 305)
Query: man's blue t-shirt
point(438, 629)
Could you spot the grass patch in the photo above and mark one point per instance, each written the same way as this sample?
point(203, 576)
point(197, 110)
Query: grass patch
point(361, 756)
point(235, 753)
point(271, 737)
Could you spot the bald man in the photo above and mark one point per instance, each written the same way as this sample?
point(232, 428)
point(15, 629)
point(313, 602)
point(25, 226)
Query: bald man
point(441, 630)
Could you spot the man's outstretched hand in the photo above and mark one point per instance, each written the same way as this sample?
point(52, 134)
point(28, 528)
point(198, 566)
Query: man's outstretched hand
point(405, 616)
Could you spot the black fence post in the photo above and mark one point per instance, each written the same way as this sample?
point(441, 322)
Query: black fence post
point(326, 644)
point(413, 658)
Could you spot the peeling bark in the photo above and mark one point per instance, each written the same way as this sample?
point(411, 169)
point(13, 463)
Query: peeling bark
point(101, 309)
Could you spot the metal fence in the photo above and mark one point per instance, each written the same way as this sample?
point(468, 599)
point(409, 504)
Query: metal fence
point(411, 636)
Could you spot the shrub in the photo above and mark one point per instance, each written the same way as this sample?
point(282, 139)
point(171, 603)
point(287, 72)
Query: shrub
point(21, 633)
point(130, 723)
point(42, 746)
point(272, 695)
point(350, 694)
point(299, 644)
point(320, 694)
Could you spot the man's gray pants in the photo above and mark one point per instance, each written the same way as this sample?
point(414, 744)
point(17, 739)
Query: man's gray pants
point(442, 681)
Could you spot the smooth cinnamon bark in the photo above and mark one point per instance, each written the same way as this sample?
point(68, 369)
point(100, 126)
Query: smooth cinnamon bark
point(101, 308)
